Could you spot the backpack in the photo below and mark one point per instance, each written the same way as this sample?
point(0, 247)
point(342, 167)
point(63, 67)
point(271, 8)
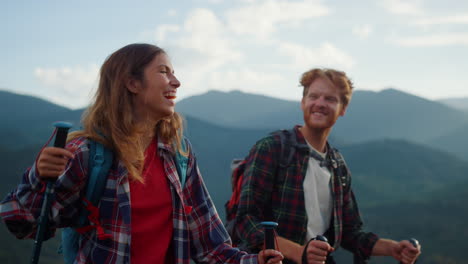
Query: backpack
point(288, 148)
point(99, 163)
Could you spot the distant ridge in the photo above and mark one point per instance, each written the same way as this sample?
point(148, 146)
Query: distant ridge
point(391, 113)
point(457, 103)
point(242, 110)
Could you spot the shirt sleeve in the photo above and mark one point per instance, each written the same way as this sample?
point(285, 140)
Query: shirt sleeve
point(21, 208)
point(255, 196)
point(210, 240)
point(354, 238)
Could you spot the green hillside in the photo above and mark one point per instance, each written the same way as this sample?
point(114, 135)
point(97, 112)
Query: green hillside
point(389, 170)
point(29, 119)
point(455, 141)
point(439, 223)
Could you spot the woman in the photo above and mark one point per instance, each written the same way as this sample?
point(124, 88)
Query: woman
point(148, 215)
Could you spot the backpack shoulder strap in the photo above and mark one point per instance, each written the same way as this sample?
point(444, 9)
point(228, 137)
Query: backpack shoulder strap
point(181, 162)
point(288, 146)
point(99, 163)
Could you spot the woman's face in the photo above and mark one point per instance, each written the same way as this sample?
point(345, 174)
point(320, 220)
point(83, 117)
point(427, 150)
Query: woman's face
point(155, 94)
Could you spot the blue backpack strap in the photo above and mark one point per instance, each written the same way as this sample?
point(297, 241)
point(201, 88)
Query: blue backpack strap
point(181, 163)
point(99, 164)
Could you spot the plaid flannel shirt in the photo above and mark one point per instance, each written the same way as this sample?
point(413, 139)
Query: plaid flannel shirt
point(198, 232)
point(267, 189)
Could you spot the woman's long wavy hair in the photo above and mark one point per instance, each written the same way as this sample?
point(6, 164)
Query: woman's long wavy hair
point(110, 121)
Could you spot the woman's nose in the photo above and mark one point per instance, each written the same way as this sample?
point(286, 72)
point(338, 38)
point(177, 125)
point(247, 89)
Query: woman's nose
point(175, 82)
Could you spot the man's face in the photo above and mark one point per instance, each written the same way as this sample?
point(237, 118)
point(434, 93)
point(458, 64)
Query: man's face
point(322, 105)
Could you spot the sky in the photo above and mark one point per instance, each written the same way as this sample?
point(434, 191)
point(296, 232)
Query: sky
point(54, 49)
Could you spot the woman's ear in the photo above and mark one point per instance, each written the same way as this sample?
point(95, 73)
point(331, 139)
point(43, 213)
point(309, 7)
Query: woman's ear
point(134, 86)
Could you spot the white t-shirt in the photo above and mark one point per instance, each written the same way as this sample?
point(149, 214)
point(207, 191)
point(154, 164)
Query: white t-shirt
point(317, 196)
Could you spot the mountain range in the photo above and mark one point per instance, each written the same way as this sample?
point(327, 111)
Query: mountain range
point(390, 114)
point(404, 186)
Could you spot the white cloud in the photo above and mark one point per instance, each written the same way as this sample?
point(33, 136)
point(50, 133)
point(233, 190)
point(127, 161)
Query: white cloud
point(206, 34)
point(327, 55)
point(362, 31)
point(459, 19)
point(172, 12)
point(434, 40)
point(403, 7)
point(163, 30)
point(68, 85)
point(200, 48)
point(263, 18)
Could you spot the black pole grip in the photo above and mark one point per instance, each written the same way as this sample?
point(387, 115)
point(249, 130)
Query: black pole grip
point(269, 229)
point(413, 242)
point(62, 133)
point(321, 238)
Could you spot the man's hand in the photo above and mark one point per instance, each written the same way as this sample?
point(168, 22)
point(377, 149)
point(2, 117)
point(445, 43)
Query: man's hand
point(406, 252)
point(317, 251)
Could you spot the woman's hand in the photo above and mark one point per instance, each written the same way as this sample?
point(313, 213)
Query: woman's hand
point(277, 257)
point(52, 162)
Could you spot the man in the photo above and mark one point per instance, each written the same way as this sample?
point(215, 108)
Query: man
point(311, 195)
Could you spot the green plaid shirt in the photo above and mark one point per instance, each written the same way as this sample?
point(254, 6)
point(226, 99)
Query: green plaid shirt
point(268, 188)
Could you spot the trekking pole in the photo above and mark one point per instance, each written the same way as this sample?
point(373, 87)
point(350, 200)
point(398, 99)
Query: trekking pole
point(413, 242)
point(60, 140)
point(269, 228)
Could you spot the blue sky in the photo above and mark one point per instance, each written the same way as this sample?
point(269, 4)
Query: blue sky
point(53, 49)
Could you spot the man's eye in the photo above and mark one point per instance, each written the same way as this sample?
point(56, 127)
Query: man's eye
point(163, 71)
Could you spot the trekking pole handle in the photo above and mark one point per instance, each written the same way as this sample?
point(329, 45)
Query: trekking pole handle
point(321, 238)
point(62, 133)
point(269, 229)
point(413, 242)
point(60, 140)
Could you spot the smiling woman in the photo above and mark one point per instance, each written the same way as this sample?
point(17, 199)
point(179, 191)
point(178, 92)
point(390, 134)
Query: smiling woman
point(147, 213)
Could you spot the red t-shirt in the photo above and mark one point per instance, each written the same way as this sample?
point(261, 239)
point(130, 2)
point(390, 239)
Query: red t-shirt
point(151, 206)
